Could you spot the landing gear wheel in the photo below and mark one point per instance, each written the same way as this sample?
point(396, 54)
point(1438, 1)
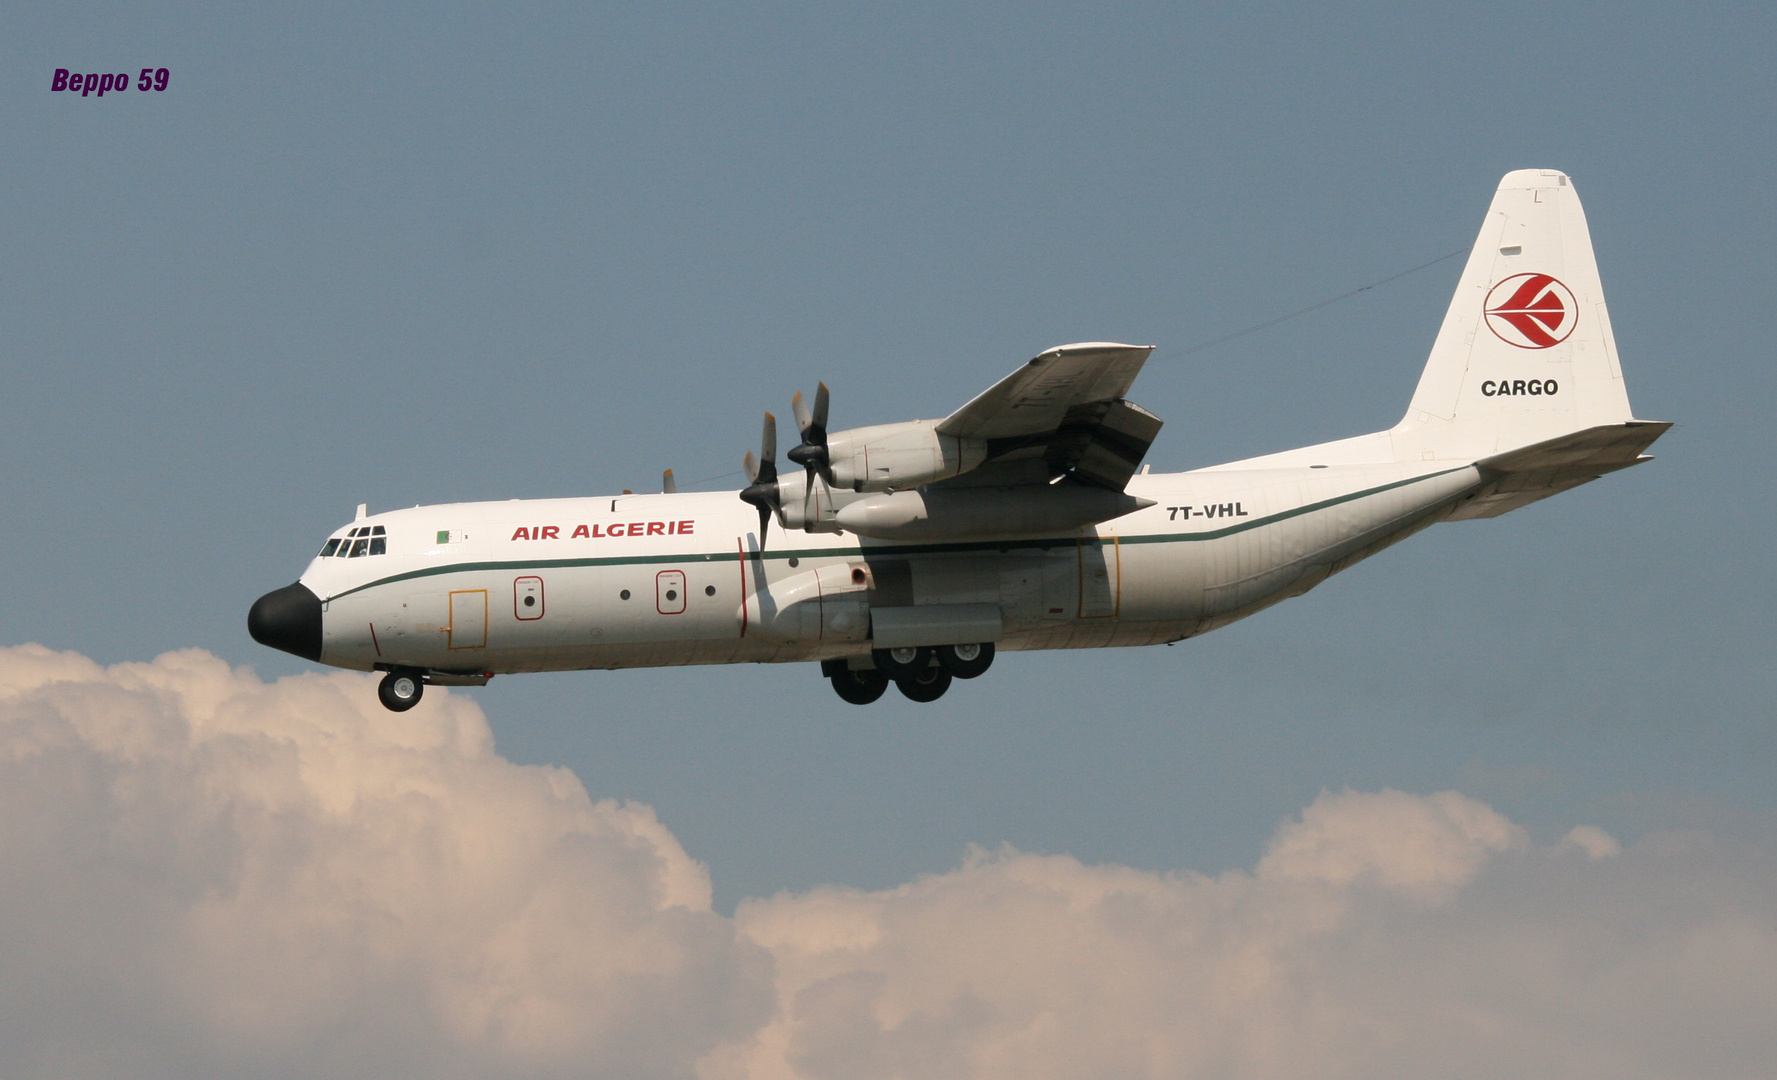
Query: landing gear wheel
point(858, 687)
point(928, 685)
point(966, 661)
point(400, 690)
point(903, 663)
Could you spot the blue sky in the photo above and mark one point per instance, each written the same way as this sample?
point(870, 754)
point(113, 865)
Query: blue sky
point(464, 252)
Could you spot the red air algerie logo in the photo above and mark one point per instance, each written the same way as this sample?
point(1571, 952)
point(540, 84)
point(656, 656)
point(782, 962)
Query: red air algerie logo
point(1531, 311)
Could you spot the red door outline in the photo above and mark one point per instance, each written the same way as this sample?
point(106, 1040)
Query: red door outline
point(528, 586)
point(669, 592)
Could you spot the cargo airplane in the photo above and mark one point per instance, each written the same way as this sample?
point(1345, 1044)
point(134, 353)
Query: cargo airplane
point(910, 553)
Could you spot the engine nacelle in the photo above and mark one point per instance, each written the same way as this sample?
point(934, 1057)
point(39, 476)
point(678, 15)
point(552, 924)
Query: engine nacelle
point(899, 456)
point(985, 512)
point(814, 510)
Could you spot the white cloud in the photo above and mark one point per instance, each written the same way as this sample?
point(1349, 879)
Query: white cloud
point(1382, 935)
point(1593, 841)
point(205, 875)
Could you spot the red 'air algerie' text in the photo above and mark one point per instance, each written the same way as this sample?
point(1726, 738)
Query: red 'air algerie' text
point(600, 532)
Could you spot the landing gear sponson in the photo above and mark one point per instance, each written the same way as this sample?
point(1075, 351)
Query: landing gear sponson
point(922, 673)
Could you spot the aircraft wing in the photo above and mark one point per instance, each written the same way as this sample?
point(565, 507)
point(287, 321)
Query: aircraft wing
point(1062, 412)
point(1035, 398)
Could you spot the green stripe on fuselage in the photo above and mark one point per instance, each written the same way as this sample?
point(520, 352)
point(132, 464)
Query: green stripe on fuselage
point(951, 548)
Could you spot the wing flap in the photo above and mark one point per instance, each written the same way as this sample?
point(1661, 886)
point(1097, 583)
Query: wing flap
point(1117, 444)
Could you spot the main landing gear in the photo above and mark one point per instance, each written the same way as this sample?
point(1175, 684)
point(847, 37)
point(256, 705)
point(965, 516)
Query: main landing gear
point(922, 673)
point(860, 686)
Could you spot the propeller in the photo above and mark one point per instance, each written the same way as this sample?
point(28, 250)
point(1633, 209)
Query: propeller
point(762, 489)
point(811, 453)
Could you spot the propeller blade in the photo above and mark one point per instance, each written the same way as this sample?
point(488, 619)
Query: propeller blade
point(763, 490)
point(668, 486)
point(812, 453)
point(750, 467)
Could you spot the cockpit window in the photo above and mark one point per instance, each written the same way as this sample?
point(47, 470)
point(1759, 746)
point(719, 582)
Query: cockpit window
point(361, 541)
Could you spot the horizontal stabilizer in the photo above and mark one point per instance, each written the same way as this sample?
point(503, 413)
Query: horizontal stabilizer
point(1520, 477)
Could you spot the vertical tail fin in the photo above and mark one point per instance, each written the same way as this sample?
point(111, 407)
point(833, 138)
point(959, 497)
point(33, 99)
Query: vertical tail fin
point(1525, 353)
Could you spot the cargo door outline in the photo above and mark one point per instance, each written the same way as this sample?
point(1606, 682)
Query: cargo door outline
point(1101, 578)
point(468, 619)
point(1060, 585)
point(669, 592)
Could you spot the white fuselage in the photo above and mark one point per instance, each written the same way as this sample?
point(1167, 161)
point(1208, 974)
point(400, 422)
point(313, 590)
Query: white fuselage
point(655, 580)
point(936, 542)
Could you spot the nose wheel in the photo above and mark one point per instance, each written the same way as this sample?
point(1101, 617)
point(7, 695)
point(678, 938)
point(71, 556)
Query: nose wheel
point(401, 690)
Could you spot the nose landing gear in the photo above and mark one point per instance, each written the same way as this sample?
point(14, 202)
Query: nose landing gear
point(401, 690)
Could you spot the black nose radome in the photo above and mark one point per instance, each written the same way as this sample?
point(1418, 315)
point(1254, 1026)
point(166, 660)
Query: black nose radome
point(289, 619)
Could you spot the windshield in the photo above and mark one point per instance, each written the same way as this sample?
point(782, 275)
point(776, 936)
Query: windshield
point(357, 543)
